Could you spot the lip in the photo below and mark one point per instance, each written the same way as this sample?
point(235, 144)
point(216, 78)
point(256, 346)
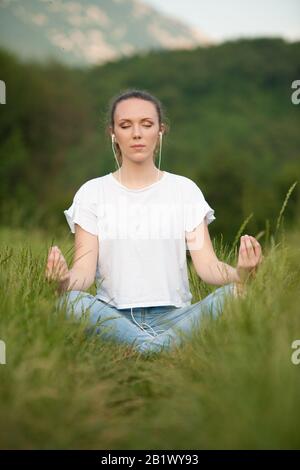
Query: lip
point(137, 146)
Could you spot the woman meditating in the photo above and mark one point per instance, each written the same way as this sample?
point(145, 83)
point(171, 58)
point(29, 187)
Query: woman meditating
point(132, 229)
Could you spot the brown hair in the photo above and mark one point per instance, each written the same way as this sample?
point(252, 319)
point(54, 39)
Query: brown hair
point(134, 93)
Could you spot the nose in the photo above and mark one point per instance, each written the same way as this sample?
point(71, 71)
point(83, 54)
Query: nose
point(136, 132)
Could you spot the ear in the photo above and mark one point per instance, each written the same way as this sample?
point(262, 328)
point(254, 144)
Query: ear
point(162, 129)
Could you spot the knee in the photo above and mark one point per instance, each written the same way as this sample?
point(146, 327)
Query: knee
point(75, 294)
point(68, 296)
point(75, 301)
point(223, 293)
point(225, 289)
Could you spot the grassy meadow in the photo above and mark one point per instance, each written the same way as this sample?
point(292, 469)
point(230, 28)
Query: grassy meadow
point(232, 385)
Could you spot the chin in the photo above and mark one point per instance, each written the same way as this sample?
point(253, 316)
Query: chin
point(138, 156)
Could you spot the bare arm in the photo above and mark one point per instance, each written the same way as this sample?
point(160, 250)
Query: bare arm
point(208, 267)
point(211, 269)
point(218, 273)
point(82, 274)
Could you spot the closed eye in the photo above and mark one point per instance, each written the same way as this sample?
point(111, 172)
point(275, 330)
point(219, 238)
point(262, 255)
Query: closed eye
point(145, 125)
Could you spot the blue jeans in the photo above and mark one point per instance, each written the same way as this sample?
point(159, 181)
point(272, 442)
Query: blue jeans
point(147, 329)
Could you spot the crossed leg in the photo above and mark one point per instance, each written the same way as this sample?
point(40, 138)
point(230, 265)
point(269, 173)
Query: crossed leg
point(110, 324)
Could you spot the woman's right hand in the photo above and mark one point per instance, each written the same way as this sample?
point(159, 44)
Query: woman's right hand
point(57, 268)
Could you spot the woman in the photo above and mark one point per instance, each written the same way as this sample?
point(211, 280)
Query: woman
point(132, 228)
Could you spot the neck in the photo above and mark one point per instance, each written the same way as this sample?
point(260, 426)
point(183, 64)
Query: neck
point(133, 174)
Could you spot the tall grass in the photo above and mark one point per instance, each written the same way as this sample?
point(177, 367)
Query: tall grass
point(231, 385)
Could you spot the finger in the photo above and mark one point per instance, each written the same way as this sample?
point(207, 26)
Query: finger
point(50, 250)
point(256, 246)
point(50, 261)
point(49, 271)
point(242, 251)
point(57, 269)
point(258, 253)
point(55, 259)
point(58, 256)
point(63, 266)
point(62, 269)
point(251, 250)
point(246, 249)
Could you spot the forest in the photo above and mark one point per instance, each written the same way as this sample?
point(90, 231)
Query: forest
point(233, 129)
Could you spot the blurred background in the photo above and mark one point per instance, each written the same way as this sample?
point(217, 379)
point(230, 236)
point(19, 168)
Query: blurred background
point(228, 75)
point(223, 70)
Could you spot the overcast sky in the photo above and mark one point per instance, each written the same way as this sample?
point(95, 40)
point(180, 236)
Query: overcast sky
point(229, 19)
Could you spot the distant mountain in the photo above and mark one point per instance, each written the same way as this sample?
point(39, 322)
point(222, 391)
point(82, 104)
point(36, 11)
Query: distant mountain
point(86, 32)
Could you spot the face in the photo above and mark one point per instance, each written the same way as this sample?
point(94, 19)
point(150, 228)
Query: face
point(136, 123)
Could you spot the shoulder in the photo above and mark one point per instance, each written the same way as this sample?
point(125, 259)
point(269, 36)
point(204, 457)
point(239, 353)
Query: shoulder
point(89, 190)
point(187, 185)
point(91, 185)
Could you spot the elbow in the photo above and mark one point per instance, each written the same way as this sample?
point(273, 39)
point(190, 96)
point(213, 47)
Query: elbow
point(89, 283)
point(80, 279)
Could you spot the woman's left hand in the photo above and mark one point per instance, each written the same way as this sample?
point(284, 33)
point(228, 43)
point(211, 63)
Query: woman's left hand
point(250, 257)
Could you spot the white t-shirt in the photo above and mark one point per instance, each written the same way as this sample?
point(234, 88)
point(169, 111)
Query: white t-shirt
point(141, 232)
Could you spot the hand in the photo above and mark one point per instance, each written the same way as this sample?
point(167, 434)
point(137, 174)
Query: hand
point(250, 257)
point(57, 268)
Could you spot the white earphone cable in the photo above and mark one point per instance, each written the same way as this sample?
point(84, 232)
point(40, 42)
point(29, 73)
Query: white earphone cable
point(155, 333)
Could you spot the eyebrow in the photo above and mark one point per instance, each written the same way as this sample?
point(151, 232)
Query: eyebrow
point(143, 119)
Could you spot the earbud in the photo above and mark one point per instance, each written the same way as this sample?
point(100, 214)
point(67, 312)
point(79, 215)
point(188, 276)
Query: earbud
point(113, 138)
